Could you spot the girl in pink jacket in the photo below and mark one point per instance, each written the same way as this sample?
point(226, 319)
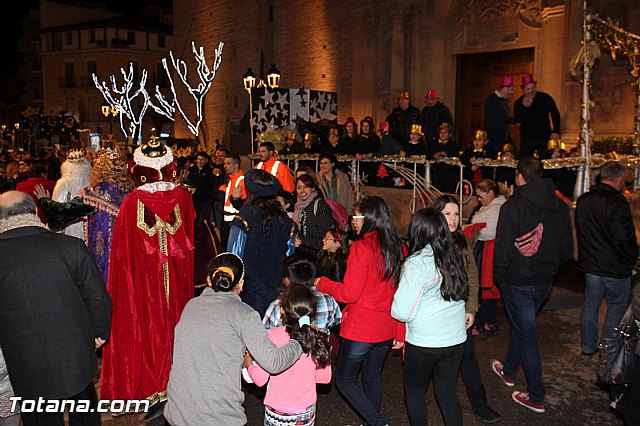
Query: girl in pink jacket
point(291, 395)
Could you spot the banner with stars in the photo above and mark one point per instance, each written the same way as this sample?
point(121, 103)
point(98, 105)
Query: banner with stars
point(278, 108)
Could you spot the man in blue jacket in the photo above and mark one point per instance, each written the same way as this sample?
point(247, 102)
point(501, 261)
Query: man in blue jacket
point(533, 239)
point(607, 252)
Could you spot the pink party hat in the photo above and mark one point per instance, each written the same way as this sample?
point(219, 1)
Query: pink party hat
point(526, 79)
point(507, 81)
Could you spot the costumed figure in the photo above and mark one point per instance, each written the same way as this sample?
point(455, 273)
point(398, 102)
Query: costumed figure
point(402, 117)
point(76, 175)
point(291, 145)
point(414, 146)
point(110, 183)
point(444, 176)
point(433, 115)
point(479, 149)
point(497, 114)
point(563, 178)
point(333, 145)
point(150, 278)
point(350, 134)
point(504, 174)
point(388, 146)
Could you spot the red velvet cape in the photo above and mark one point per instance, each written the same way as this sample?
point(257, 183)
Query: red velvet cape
point(137, 358)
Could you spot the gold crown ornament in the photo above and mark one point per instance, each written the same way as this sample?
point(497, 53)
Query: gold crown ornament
point(110, 153)
point(292, 135)
point(480, 134)
point(416, 128)
point(555, 143)
point(507, 147)
point(153, 154)
point(446, 126)
point(308, 137)
point(333, 131)
point(404, 95)
point(76, 155)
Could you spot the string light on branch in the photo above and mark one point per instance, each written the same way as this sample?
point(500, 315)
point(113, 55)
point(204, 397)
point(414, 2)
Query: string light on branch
point(197, 92)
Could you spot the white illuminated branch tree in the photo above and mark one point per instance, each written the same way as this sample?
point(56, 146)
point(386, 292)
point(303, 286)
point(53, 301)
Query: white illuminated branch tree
point(122, 97)
point(198, 92)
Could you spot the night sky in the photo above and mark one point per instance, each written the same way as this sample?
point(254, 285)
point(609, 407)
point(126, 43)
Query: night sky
point(11, 31)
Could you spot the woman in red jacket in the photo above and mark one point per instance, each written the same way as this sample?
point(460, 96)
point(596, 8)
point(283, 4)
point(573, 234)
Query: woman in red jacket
point(367, 328)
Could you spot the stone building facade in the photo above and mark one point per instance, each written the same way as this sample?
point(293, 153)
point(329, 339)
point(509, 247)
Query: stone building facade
point(369, 50)
point(79, 40)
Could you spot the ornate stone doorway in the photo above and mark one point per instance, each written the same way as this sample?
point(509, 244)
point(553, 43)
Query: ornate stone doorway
point(478, 75)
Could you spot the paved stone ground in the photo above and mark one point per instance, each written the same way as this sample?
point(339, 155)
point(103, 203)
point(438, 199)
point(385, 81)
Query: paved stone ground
point(572, 395)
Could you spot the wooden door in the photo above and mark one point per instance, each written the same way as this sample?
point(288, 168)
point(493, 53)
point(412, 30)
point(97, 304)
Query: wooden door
point(478, 75)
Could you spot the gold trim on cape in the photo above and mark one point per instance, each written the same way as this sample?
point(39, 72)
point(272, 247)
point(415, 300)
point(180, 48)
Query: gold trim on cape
point(161, 228)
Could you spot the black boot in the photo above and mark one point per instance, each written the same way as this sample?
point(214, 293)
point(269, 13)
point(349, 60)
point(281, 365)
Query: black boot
point(478, 399)
point(487, 415)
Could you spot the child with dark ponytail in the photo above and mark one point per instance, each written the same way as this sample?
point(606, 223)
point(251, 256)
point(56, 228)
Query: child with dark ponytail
point(291, 395)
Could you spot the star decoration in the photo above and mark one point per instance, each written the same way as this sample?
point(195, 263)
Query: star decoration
point(322, 99)
point(267, 97)
point(281, 101)
point(262, 114)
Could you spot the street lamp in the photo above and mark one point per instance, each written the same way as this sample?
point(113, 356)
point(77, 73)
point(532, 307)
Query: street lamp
point(110, 112)
point(16, 128)
point(249, 80)
point(273, 77)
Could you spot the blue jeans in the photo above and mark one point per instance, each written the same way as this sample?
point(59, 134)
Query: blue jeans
point(522, 304)
point(369, 356)
point(616, 290)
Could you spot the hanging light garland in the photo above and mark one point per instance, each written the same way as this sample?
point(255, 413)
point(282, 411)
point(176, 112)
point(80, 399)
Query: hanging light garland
point(608, 35)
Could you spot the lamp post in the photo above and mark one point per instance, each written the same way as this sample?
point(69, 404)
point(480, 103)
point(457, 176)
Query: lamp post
point(273, 77)
point(16, 129)
point(110, 112)
point(250, 81)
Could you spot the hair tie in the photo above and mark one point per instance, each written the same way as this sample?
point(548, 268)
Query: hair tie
point(304, 320)
point(224, 269)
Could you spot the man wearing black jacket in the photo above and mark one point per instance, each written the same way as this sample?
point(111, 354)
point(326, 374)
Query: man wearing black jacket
point(607, 252)
point(535, 111)
point(201, 177)
point(533, 239)
point(55, 312)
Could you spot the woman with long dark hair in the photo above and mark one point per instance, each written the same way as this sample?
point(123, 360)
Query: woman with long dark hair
point(262, 235)
point(367, 330)
point(430, 299)
point(312, 215)
point(448, 205)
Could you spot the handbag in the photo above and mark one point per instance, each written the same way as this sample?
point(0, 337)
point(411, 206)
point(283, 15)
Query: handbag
point(617, 353)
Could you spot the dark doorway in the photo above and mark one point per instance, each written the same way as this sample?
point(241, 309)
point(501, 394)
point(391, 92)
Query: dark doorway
point(478, 75)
